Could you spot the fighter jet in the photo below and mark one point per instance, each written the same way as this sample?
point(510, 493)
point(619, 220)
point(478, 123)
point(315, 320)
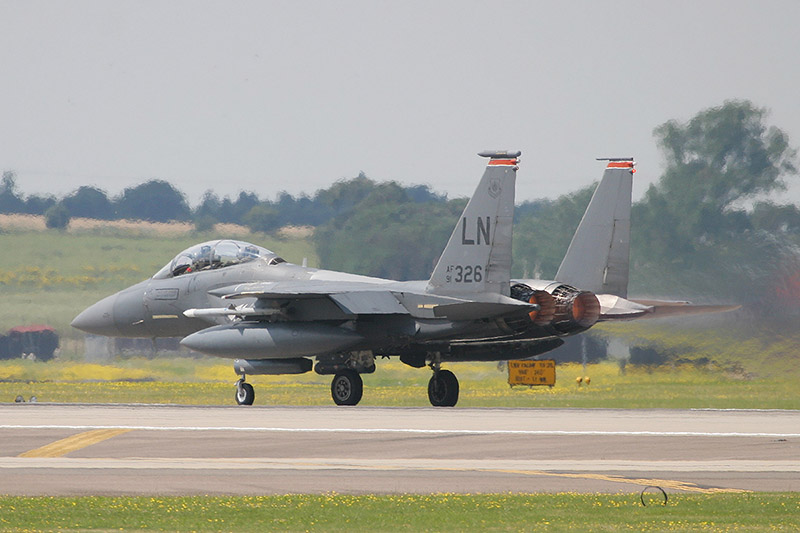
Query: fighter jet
point(236, 300)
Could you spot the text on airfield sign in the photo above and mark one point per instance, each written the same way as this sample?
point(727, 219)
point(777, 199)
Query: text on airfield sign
point(532, 372)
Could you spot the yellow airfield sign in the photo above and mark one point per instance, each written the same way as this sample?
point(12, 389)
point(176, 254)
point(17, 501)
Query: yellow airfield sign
point(532, 372)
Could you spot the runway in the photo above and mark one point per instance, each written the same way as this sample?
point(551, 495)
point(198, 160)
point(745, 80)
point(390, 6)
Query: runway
point(52, 449)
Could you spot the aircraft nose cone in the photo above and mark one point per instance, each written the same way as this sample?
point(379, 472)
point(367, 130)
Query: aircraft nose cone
point(98, 319)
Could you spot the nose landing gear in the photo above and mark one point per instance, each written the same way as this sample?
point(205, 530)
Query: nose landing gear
point(245, 394)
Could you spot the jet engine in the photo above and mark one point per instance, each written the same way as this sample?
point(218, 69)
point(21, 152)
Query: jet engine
point(547, 304)
point(563, 308)
point(576, 310)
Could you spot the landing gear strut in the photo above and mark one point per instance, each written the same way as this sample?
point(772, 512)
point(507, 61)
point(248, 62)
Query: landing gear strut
point(443, 386)
point(245, 394)
point(347, 387)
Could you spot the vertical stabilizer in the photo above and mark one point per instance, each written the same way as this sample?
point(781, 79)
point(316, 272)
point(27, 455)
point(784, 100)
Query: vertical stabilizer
point(598, 256)
point(477, 257)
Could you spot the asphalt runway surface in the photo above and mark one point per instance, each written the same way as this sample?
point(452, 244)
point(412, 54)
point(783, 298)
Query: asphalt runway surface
point(55, 449)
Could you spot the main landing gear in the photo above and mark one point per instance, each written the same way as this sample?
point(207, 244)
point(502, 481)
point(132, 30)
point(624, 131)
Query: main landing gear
point(347, 388)
point(443, 386)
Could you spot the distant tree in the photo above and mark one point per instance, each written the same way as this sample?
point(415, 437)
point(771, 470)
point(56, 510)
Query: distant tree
point(261, 217)
point(301, 211)
point(226, 211)
point(388, 235)
point(209, 208)
point(344, 195)
point(423, 194)
point(243, 204)
point(38, 205)
point(155, 201)
point(531, 208)
point(776, 219)
point(89, 202)
point(10, 201)
point(692, 227)
point(722, 156)
point(57, 217)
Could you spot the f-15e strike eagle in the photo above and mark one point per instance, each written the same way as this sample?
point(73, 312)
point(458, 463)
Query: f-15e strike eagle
point(240, 301)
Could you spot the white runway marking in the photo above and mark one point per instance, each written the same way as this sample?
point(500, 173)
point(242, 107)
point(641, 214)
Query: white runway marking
point(316, 463)
point(415, 431)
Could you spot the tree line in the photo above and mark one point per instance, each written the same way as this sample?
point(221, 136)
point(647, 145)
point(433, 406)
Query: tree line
point(158, 201)
point(710, 225)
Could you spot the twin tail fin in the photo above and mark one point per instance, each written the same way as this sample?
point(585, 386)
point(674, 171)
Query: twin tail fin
point(477, 258)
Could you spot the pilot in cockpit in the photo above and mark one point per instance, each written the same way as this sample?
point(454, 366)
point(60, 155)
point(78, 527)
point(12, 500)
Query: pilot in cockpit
point(202, 259)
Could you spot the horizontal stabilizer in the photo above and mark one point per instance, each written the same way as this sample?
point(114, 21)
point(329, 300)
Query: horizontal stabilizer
point(614, 307)
point(666, 308)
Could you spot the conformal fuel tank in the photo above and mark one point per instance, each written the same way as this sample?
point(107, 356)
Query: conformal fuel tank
point(281, 340)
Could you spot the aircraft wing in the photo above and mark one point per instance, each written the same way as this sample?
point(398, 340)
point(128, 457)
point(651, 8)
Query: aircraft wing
point(360, 298)
point(294, 289)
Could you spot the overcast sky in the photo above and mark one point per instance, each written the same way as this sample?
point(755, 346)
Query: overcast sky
point(292, 95)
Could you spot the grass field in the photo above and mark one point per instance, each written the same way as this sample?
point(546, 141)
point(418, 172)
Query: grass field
point(48, 277)
point(433, 512)
point(206, 381)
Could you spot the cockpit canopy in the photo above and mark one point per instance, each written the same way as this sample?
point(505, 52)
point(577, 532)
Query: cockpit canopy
point(215, 254)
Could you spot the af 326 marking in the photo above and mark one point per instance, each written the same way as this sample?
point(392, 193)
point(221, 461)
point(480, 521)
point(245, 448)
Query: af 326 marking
point(464, 274)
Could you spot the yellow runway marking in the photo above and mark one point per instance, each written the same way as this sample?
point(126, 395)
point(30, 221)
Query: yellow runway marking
point(74, 442)
point(685, 486)
point(663, 483)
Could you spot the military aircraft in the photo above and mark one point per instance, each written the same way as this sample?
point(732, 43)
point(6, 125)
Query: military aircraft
point(240, 301)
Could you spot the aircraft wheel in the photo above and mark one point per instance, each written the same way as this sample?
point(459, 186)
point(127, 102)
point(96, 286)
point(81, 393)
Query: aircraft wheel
point(347, 388)
point(245, 394)
point(443, 389)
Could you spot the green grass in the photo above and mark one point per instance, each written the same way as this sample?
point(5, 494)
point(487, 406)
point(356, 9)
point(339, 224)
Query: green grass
point(207, 381)
point(49, 277)
point(407, 512)
point(731, 343)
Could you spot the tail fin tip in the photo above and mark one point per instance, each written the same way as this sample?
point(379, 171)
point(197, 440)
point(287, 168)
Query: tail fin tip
point(500, 154)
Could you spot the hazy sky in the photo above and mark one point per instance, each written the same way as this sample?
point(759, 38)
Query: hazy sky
point(292, 95)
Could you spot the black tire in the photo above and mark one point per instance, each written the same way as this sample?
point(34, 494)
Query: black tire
point(245, 395)
point(443, 389)
point(347, 388)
